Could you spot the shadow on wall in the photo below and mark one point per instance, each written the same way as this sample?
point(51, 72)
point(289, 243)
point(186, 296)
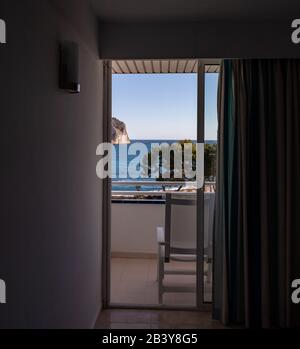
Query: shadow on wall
point(50, 251)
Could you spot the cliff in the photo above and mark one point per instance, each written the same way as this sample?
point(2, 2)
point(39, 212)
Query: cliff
point(119, 132)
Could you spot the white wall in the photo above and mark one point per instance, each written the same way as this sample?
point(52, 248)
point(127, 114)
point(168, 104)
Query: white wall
point(50, 224)
point(134, 227)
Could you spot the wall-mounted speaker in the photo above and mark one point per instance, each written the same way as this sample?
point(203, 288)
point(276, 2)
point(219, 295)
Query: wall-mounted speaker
point(69, 67)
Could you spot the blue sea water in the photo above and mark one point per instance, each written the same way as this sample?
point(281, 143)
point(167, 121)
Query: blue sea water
point(121, 166)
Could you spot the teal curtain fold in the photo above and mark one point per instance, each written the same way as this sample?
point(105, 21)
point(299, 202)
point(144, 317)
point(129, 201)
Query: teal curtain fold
point(256, 233)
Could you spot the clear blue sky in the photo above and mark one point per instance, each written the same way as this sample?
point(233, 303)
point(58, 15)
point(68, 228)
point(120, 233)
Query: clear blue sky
point(164, 106)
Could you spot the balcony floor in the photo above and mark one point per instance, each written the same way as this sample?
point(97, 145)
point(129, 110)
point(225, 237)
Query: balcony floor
point(155, 319)
point(133, 282)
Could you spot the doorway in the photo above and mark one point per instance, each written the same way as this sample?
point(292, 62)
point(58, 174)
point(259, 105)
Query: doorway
point(137, 207)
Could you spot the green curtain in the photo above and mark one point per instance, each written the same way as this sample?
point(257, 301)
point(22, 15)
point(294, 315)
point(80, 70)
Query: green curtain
point(257, 226)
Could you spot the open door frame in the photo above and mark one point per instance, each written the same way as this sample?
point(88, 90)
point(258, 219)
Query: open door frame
point(106, 202)
point(106, 241)
point(200, 191)
point(202, 63)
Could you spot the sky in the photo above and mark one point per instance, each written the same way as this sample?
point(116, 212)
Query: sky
point(164, 106)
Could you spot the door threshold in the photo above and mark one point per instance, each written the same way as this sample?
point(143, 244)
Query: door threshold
point(205, 308)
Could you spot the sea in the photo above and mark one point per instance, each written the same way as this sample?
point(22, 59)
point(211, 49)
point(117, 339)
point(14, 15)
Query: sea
point(121, 165)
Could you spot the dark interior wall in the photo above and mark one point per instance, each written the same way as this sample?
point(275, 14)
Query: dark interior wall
point(219, 39)
point(50, 237)
point(213, 39)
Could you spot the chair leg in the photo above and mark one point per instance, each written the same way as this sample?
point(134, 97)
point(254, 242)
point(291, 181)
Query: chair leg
point(160, 298)
point(157, 267)
point(209, 273)
point(160, 272)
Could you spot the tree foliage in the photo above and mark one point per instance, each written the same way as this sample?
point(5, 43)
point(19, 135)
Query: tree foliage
point(160, 164)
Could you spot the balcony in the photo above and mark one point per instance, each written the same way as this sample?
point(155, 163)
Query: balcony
point(134, 248)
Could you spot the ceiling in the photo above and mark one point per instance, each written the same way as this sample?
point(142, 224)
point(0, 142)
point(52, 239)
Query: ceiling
point(193, 10)
point(173, 66)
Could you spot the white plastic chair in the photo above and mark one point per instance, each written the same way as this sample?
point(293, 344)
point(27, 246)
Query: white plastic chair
point(177, 240)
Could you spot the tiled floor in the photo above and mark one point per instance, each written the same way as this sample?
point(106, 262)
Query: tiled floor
point(156, 319)
point(133, 282)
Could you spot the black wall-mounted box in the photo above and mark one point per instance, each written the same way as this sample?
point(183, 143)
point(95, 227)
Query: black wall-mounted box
point(69, 67)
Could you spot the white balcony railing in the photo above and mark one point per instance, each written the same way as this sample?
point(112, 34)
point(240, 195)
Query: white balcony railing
point(133, 224)
point(185, 188)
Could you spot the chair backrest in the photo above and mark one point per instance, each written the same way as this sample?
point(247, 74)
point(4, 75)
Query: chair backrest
point(209, 209)
point(181, 223)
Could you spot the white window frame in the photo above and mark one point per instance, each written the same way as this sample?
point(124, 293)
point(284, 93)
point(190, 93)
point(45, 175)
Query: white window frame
point(107, 188)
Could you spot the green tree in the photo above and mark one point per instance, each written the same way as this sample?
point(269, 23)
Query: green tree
point(210, 160)
point(159, 165)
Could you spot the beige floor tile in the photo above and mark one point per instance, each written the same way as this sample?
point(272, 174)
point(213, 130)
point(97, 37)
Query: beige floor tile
point(133, 281)
point(124, 326)
point(161, 327)
point(155, 319)
point(125, 316)
point(184, 299)
point(128, 299)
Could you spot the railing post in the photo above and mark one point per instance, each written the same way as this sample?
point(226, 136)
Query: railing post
point(200, 191)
